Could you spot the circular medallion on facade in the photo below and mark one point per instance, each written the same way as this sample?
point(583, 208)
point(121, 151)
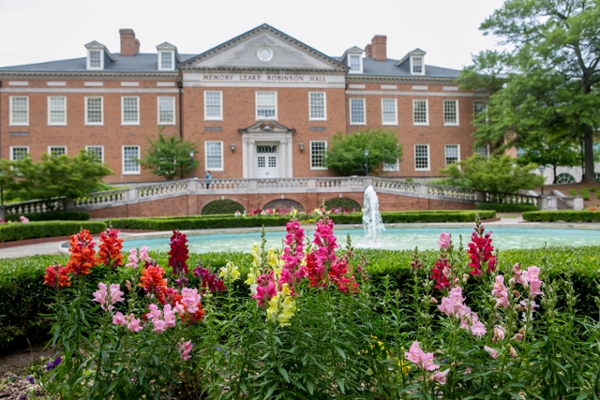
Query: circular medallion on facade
point(265, 53)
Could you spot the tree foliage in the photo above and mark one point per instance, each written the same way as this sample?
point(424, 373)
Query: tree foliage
point(346, 155)
point(53, 176)
point(168, 157)
point(544, 88)
point(495, 174)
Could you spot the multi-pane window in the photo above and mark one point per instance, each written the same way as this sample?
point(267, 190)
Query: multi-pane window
point(93, 110)
point(214, 156)
point(213, 105)
point(130, 110)
point(19, 110)
point(18, 153)
point(266, 105)
point(421, 157)
point(417, 65)
point(95, 59)
point(57, 110)
point(96, 151)
point(166, 60)
point(479, 107)
point(452, 154)
point(316, 102)
point(131, 155)
point(318, 150)
point(389, 114)
point(166, 110)
point(450, 112)
point(56, 151)
point(420, 112)
point(354, 63)
point(357, 112)
point(483, 151)
point(391, 167)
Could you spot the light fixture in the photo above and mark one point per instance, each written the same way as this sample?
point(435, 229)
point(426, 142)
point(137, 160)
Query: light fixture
point(192, 164)
point(232, 147)
point(541, 168)
point(301, 147)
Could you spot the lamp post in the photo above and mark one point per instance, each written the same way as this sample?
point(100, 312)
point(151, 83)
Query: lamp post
point(192, 163)
point(541, 168)
point(367, 160)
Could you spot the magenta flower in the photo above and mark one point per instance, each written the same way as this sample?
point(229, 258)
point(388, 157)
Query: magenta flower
point(107, 299)
point(492, 352)
point(444, 241)
point(480, 252)
point(185, 348)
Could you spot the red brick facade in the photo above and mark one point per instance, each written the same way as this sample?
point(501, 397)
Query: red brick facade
point(191, 77)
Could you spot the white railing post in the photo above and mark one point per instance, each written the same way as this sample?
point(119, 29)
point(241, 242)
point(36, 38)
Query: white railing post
point(132, 194)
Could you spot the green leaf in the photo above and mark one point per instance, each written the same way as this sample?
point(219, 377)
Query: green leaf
point(284, 373)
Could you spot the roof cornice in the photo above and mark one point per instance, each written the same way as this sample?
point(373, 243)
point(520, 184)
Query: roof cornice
point(88, 74)
point(262, 69)
point(388, 78)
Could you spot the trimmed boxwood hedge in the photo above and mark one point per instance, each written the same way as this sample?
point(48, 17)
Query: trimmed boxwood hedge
point(562, 216)
point(34, 230)
point(51, 216)
point(507, 208)
point(24, 298)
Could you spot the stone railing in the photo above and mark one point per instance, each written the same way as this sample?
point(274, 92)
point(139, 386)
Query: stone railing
point(452, 192)
point(504, 198)
point(32, 206)
point(395, 185)
point(102, 198)
point(163, 188)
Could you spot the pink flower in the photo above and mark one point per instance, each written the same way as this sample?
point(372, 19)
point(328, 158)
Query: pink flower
point(159, 325)
point(115, 294)
point(119, 319)
point(500, 292)
point(468, 370)
point(169, 316)
point(133, 259)
point(533, 276)
point(185, 349)
point(491, 352)
point(440, 377)
point(513, 352)
point(144, 254)
point(498, 333)
point(102, 296)
point(444, 241)
point(421, 359)
point(134, 324)
point(190, 299)
point(24, 220)
point(415, 353)
point(478, 329)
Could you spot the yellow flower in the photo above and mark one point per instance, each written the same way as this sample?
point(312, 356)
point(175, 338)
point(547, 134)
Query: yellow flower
point(229, 272)
point(256, 254)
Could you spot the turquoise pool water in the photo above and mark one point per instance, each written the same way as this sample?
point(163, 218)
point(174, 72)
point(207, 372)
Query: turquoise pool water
point(393, 239)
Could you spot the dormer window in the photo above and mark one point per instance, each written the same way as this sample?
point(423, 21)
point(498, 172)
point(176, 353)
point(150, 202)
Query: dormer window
point(416, 66)
point(166, 60)
point(353, 58)
point(98, 56)
point(95, 59)
point(354, 63)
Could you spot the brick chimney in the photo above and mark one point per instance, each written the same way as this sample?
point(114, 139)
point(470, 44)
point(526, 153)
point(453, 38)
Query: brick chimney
point(379, 47)
point(369, 51)
point(130, 46)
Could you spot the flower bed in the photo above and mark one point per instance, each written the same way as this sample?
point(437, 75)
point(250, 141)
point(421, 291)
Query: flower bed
point(309, 323)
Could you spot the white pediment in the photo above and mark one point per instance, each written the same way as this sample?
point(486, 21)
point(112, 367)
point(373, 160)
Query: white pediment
point(243, 52)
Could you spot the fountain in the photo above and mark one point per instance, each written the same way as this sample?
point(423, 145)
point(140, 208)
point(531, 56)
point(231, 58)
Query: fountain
point(371, 217)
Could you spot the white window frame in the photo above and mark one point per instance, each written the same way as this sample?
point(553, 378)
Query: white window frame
point(12, 118)
point(257, 95)
point(87, 116)
point(457, 146)
point(312, 167)
point(392, 167)
point(171, 67)
point(364, 111)
point(487, 150)
point(88, 148)
point(51, 111)
point(137, 111)
point(216, 117)
point(415, 101)
point(132, 172)
point(89, 59)
point(413, 65)
point(360, 63)
point(483, 105)
point(50, 148)
point(448, 122)
point(208, 167)
point(14, 148)
point(395, 108)
point(428, 168)
point(319, 96)
point(171, 99)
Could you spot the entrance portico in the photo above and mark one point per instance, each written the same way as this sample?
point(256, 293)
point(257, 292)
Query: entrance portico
point(267, 151)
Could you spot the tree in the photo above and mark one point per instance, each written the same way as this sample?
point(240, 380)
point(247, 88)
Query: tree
point(168, 157)
point(546, 83)
point(53, 177)
point(495, 174)
point(347, 153)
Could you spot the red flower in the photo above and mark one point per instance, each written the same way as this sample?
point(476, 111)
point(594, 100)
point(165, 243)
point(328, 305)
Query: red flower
point(209, 281)
point(57, 274)
point(178, 255)
point(190, 319)
point(441, 271)
point(83, 255)
point(480, 251)
point(110, 248)
point(153, 282)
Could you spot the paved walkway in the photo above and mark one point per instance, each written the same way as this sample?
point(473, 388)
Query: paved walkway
point(53, 247)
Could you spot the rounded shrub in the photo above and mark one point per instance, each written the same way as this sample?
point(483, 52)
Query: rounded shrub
point(225, 206)
point(344, 203)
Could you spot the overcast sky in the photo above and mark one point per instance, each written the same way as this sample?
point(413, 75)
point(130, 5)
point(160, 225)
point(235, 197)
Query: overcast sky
point(34, 31)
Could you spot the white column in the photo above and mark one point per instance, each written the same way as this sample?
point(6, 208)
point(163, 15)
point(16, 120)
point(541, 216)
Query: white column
point(251, 162)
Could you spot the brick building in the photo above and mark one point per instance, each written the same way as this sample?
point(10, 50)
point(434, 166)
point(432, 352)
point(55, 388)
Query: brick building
point(261, 105)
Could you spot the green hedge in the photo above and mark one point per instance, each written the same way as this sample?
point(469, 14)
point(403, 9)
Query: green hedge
point(344, 203)
point(34, 230)
point(417, 216)
point(507, 208)
point(224, 206)
point(562, 216)
point(51, 216)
